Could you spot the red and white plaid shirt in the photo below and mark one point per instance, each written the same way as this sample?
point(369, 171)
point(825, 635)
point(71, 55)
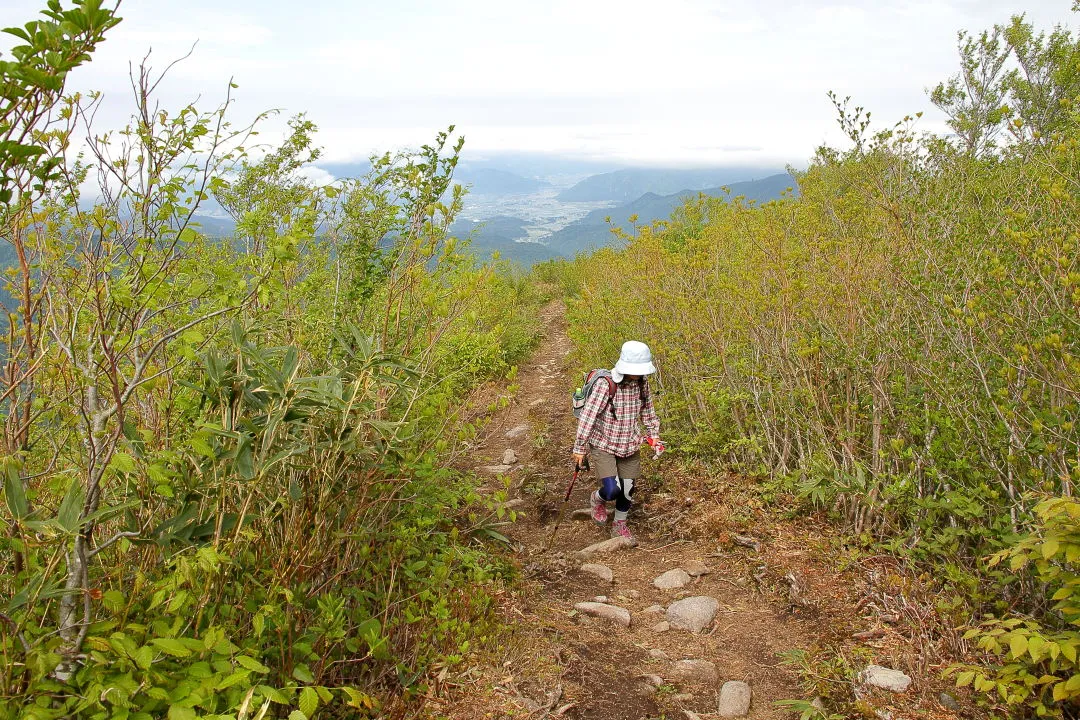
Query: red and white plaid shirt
point(613, 426)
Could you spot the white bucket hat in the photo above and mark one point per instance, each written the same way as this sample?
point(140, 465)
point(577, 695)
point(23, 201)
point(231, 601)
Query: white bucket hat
point(635, 359)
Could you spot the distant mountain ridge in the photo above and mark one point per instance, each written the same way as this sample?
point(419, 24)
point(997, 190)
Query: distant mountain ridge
point(593, 231)
point(629, 184)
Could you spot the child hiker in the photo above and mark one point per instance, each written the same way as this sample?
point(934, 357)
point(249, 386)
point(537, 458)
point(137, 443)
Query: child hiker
point(608, 430)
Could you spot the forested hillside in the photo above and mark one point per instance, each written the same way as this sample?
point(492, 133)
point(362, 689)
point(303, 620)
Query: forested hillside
point(899, 347)
point(227, 485)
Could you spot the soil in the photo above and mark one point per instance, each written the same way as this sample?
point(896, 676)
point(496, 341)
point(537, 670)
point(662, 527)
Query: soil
point(795, 592)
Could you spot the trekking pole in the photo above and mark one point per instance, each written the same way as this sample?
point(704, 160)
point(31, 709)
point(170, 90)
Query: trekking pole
point(562, 510)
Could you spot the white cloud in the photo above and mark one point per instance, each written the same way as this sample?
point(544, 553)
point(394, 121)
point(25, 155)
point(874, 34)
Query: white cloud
point(633, 79)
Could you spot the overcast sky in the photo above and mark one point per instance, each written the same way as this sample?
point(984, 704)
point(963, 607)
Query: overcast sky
point(673, 82)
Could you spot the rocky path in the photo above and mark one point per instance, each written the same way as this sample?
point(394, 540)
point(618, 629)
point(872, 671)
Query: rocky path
point(690, 622)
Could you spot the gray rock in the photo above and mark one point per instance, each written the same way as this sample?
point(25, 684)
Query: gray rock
point(746, 541)
point(657, 654)
point(661, 627)
point(683, 698)
point(672, 580)
point(497, 469)
point(696, 568)
point(693, 614)
point(734, 699)
point(600, 599)
point(601, 571)
point(633, 594)
point(509, 457)
point(948, 702)
point(511, 504)
point(612, 613)
point(885, 678)
point(655, 609)
point(694, 671)
point(614, 544)
point(517, 431)
point(653, 680)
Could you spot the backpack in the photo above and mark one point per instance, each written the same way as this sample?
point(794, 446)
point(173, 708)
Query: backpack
point(590, 379)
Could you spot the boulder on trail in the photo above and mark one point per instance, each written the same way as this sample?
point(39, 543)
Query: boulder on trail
point(696, 568)
point(885, 678)
point(516, 431)
point(601, 571)
point(734, 699)
point(509, 457)
point(672, 580)
point(607, 546)
point(693, 613)
point(613, 613)
point(701, 672)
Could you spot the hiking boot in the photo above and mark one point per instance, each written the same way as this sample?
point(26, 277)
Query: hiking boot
point(599, 508)
point(619, 529)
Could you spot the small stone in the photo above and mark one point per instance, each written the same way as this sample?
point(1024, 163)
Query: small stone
point(633, 594)
point(613, 613)
point(661, 627)
point(655, 609)
point(948, 702)
point(819, 704)
point(747, 541)
point(607, 546)
point(693, 614)
point(511, 504)
point(509, 457)
point(497, 469)
point(657, 654)
point(694, 671)
point(683, 697)
point(734, 699)
point(653, 680)
point(696, 568)
point(885, 678)
point(517, 431)
point(672, 580)
point(600, 599)
point(601, 571)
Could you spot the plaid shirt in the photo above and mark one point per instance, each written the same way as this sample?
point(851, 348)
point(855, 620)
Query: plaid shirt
point(613, 426)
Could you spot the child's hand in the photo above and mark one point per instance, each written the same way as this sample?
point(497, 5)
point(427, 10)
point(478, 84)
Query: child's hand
point(657, 446)
point(579, 460)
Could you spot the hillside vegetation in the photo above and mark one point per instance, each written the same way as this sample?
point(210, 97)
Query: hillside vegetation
point(900, 347)
point(226, 464)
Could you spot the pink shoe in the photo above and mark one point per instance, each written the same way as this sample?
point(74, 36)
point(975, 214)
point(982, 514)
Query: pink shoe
point(619, 529)
point(599, 508)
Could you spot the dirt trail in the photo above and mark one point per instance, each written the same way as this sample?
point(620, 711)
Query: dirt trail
point(558, 661)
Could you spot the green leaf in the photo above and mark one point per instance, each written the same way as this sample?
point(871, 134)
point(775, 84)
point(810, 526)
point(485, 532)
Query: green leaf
point(181, 713)
point(297, 715)
point(964, 679)
point(171, 646)
point(122, 462)
point(273, 694)
point(71, 507)
point(237, 677)
point(309, 701)
point(1050, 547)
point(251, 664)
point(1018, 645)
point(303, 674)
point(15, 493)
